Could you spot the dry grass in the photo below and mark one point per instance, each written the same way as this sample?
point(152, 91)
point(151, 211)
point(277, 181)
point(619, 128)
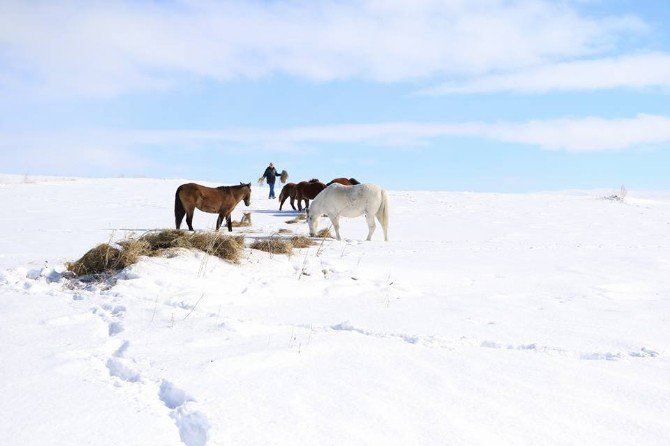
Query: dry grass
point(300, 241)
point(324, 233)
point(283, 177)
point(244, 221)
point(284, 231)
point(101, 259)
point(162, 240)
point(106, 258)
point(222, 246)
point(297, 219)
point(274, 245)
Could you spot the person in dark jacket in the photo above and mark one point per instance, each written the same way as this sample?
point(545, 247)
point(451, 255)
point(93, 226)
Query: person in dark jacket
point(270, 176)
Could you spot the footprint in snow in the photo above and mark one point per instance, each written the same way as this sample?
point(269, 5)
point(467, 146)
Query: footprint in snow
point(193, 425)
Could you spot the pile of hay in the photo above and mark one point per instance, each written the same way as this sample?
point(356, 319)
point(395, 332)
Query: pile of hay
point(300, 241)
point(101, 259)
point(273, 245)
point(297, 219)
point(324, 233)
point(283, 177)
point(244, 221)
point(284, 231)
point(105, 258)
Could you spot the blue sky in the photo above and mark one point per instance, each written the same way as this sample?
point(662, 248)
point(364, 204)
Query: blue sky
point(486, 95)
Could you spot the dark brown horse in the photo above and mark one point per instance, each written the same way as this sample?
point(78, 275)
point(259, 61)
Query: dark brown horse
point(345, 181)
point(288, 191)
point(215, 200)
point(307, 190)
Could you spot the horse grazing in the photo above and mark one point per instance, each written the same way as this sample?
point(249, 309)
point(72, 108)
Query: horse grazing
point(350, 201)
point(288, 191)
point(215, 200)
point(307, 190)
point(345, 181)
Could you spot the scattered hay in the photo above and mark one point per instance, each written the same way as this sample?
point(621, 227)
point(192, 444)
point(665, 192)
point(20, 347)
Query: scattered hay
point(273, 245)
point(132, 249)
point(261, 181)
point(300, 241)
point(167, 239)
point(283, 177)
point(244, 221)
point(284, 231)
point(298, 218)
point(324, 233)
point(105, 258)
point(221, 246)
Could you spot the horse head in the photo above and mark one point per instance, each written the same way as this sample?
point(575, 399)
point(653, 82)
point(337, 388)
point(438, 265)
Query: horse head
point(247, 195)
point(311, 223)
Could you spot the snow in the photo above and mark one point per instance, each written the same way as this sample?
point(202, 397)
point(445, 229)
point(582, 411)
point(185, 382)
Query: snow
point(486, 319)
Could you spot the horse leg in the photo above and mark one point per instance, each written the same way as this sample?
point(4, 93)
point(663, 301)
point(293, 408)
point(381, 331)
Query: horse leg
point(219, 221)
point(384, 227)
point(306, 203)
point(300, 204)
point(336, 225)
point(293, 203)
point(229, 222)
point(371, 225)
point(189, 219)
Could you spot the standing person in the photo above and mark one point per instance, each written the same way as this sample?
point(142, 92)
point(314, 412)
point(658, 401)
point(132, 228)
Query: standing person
point(271, 175)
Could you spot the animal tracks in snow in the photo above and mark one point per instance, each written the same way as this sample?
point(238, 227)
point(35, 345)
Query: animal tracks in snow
point(112, 315)
point(464, 342)
point(193, 425)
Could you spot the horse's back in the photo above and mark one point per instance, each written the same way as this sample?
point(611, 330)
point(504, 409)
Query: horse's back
point(309, 189)
point(194, 187)
point(352, 199)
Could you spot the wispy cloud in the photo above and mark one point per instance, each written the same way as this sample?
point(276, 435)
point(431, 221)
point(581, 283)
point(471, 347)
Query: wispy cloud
point(108, 48)
point(637, 71)
point(117, 148)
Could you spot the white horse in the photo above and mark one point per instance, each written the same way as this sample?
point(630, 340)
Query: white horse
point(350, 201)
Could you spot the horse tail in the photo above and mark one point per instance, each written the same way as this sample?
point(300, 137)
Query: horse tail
point(383, 214)
point(283, 195)
point(179, 210)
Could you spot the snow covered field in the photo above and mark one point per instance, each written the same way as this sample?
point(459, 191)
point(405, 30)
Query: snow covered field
point(486, 319)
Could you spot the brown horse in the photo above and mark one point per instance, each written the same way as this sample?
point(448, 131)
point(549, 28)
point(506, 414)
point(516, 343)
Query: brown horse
point(288, 191)
point(345, 181)
point(307, 190)
point(215, 200)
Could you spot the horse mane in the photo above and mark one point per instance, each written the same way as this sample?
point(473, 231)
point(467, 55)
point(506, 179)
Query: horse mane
point(237, 186)
point(313, 180)
point(354, 181)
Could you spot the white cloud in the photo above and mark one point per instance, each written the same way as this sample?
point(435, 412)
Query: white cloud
point(107, 48)
point(630, 71)
point(585, 134)
point(570, 134)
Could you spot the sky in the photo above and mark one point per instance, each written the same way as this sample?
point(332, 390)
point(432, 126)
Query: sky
point(477, 95)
